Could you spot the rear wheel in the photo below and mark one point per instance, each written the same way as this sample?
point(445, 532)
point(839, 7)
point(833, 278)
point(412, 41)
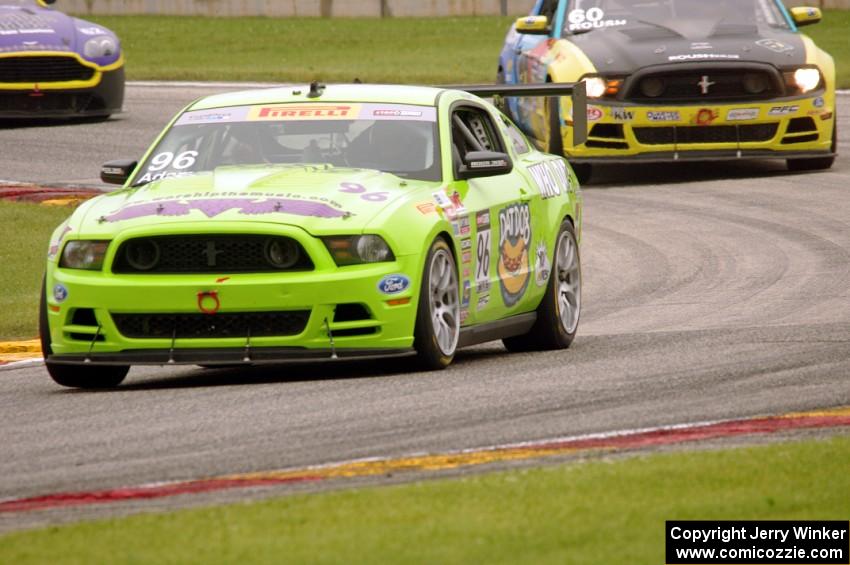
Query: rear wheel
point(583, 171)
point(818, 163)
point(438, 316)
point(75, 376)
point(559, 312)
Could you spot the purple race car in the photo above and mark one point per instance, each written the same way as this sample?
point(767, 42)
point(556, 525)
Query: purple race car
point(53, 65)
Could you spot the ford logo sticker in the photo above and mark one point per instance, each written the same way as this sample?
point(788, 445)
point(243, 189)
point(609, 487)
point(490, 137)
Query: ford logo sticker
point(393, 284)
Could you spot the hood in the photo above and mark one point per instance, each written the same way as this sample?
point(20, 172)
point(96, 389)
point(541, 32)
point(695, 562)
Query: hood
point(625, 50)
point(320, 200)
point(28, 28)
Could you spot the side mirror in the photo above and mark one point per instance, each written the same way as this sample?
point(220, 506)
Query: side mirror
point(480, 164)
point(533, 25)
point(117, 172)
point(806, 16)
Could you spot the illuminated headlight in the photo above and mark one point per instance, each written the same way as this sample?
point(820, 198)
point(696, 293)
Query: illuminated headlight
point(354, 250)
point(596, 87)
point(102, 46)
point(807, 79)
point(86, 255)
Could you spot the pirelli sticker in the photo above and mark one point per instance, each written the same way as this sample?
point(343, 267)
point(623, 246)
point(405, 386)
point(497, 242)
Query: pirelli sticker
point(293, 112)
point(310, 111)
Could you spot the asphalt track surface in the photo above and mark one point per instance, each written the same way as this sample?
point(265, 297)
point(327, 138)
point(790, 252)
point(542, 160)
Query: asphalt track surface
point(711, 291)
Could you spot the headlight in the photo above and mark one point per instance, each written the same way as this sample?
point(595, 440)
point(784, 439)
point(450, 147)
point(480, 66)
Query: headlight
point(801, 81)
point(86, 255)
point(102, 46)
point(596, 87)
point(353, 250)
point(807, 79)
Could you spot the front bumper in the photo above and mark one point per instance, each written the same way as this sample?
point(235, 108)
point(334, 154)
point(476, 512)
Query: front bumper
point(797, 127)
point(345, 311)
point(104, 98)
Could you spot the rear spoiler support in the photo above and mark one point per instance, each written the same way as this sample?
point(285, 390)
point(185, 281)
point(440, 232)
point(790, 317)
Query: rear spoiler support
point(575, 90)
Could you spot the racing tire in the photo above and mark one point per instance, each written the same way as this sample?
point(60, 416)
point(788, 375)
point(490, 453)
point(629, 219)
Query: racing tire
point(559, 311)
point(583, 171)
point(438, 314)
point(74, 376)
point(818, 163)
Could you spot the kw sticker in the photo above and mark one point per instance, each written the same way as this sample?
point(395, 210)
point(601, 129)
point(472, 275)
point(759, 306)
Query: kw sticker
point(514, 241)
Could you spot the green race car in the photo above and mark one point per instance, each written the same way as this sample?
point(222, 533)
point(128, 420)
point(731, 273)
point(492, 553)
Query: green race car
point(319, 223)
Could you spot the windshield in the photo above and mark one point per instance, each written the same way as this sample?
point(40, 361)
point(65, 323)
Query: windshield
point(687, 18)
point(398, 139)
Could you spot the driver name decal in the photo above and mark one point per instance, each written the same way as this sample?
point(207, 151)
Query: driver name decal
point(551, 178)
point(514, 261)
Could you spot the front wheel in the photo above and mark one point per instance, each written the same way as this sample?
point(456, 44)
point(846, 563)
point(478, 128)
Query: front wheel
point(74, 376)
point(559, 312)
point(438, 316)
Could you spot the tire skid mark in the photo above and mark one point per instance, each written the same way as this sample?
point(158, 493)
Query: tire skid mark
point(435, 463)
point(833, 257)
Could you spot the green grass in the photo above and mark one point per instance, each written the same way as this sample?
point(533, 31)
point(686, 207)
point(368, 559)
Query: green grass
point(416, 51)
point(26, 234)
point(402, 50)
point(597, 512)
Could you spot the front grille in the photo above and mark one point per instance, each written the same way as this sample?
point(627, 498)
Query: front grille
point(49, 102)
point(43, 69)
point(210, 254)
point(705, 134)
point(687, 86)
point(801, 125)
point(222, 325)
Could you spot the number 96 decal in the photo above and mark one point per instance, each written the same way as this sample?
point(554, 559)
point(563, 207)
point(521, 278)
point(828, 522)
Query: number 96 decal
point(179, 164)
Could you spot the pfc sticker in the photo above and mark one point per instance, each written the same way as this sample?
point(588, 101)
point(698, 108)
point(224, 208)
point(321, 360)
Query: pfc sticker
point(542, 266)
point(783, 110)
point(482, 265)
point(514, 261)
point(393, 284)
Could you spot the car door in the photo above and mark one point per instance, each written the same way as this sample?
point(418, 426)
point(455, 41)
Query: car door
point(494, 231)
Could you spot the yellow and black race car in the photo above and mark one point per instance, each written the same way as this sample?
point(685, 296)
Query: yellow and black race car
point(55, 66)
point(671, 80)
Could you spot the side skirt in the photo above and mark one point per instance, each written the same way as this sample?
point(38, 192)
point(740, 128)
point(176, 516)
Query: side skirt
point(500, 329)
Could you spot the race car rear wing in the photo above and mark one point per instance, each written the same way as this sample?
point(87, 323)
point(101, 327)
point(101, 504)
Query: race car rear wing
point(575, 90)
